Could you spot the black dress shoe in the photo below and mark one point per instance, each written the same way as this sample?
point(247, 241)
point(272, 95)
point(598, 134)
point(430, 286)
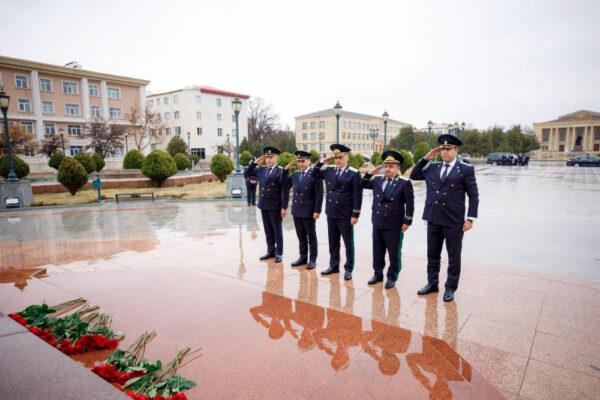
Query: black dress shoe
point(311, 265)
point(267, 256)
point(428, 289)
point(390, 284)
point(278, 258)
point(375, 279)
point(330, 270)
point(347, 276)
point(449, 295)
point(299, 261)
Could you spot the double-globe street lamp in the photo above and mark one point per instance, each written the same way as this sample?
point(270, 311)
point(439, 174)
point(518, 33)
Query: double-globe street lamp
point(126, 142)
point(321, 137)
point(429, 126)
point(62, 139)
point(373, 133)
point(385, 121)
point(189, 135)
point(236, 104)
point(337, 110)
point(4, 102)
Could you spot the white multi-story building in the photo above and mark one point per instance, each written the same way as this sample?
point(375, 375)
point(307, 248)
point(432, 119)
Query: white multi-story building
point(205, 112)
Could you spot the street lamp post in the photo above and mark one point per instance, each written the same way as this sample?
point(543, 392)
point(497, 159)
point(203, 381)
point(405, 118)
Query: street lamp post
point(429, 126)
point(321, 137)
point(237, 107)
point(337, 110)
point(463, 127)
point(414, 140)
point(188, 134)
point(456, 132)
point(385, 121)
point(62, 139)
point(126, 143)
point(4, 102)
point(450, 129)
point(373, 133)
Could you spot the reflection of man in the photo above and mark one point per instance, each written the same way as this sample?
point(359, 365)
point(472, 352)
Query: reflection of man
point(343, 331)
point(306, 313)
point(447, 183)
point(273, 200)
point(392, 195)
point(250, 184)
point(344, 199)
point(306, 206)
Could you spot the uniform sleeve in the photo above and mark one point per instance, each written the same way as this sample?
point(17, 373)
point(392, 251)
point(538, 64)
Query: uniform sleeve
point(249, 170)
point(409, 196)
point(417, 172)
point(356, 194)
point(286, 178)
point(366, 181)
point(472, 192)
point(318, 195)
point(285, 193)
point(316, 171)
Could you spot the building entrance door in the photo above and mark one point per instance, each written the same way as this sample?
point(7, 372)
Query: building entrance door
point(561, 147)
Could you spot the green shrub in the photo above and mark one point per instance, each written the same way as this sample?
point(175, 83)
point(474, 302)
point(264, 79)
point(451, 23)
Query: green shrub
point(408, 161)
point(181, 161)
point(176, 145)
point(196, 158)
point(421, 150)
point(356, 160)
point(376, 159)
point(439, 156)
point(314, 156)
point(244, 157)
point(85, 160)
point(133, 160)
point(72, 175)
point(99, 161)
point(221, 166)
point(159, 166)
point(285, 158)
point(21, 167)
point(56, 160)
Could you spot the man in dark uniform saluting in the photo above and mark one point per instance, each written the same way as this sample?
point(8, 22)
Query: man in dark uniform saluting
point(447, 182)
point(306, 206)
point(392, 214)
point(250, 184)
point(272, 200)
point(344, 199)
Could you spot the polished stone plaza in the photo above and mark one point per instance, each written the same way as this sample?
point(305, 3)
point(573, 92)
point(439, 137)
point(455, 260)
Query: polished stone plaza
point(524, 323)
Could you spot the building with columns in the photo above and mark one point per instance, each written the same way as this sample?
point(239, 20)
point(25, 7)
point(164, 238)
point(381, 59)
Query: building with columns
point(45, 98)
point(562, 135)
point(206, 113)
point(317, 131)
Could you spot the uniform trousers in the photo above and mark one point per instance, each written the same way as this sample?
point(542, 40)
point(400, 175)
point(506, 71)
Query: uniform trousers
point(273, 231)
point(436, 235)
point(307, 236)
point(337, 227)
point(390, 240)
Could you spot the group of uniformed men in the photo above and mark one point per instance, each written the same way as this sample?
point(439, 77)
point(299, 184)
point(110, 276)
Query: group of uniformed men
point(447, 183)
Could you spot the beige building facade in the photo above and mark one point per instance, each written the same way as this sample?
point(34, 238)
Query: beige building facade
point(562, 135)
point(45, 98)
point(317, 131)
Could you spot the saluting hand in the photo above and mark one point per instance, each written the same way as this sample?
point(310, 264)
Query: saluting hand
point(353, 221)
point(326, 160)
point(290, 165)
point(433, 153)
point(260, 159)
point(375, 170)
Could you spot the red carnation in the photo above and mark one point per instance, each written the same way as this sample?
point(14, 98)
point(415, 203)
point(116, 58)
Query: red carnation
point(112, 343)
point(52, 343)
point(35, 330)
point(179, 396)
point(119, 387)
point(124, 378)
point(100, 341)
point(45, 331)
point(68, 349)
point(78, 348)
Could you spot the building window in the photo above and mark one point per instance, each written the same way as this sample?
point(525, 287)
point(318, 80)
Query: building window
point(200, 152)
point(168, 131)
point(313, 136)
point(220, 132)
point(165, 100)
point(218, 117)
point(305, 136)
point(73, 130)
point(48, 107)
point(69, 87)
point(313, 125)
point(596, 133)
point(305, 147)
point(28, 126)
point(95, 111)
point(233, 133)
point(49, 128)
point(176, 115)
point(321, 124)
point(343, 135)
point(45, 85)
point(233, 118)
point(158, 102)
point(24, 105)
point(114, 93)
point(21, 82)
point(354, 125)
point(167, 116)
point(153, 147)
point(75, 149)
point(199, 131)
point(304, 125)
point(562, 133)
point(93, 90)
point(175, 99)
point(178, 130)
point(72, 109)
point(198, 115)
point(218, 102)
point(198, 100)
point(115, 113)
point(343, 124)
point(545, 135)
point(313, 146)
point(151, 103)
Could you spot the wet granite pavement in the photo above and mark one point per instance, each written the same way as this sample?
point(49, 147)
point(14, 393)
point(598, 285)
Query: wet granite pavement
point(524, 322)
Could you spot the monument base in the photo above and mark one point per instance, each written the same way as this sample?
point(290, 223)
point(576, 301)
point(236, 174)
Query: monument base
point(15, 194)
point(236, 186)
point(578, 148)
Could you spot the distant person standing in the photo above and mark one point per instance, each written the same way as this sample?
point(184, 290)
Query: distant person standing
point(447, 183)
point(273, 200)
point(251, 183)
point(526, 161)
point(520, 159)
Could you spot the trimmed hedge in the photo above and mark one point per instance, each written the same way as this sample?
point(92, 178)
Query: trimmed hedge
point(159, 166)
point(99, 161)
point(56, 160)
point(84, 159)
point(284, 159)
point(133, 159)
point(181, 161)
point(244, 157)
point(21, 167)
point(72, 175)
point(408, 161)
point(221, 166)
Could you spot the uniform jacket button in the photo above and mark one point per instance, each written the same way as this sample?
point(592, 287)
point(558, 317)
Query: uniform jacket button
point(436, 202)
point(437, 191)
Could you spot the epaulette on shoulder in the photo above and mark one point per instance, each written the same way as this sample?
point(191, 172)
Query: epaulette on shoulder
point(352, 169)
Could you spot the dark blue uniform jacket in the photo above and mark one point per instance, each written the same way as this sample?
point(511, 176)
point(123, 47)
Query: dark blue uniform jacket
point(307, 197)
point(272, 194)
point(396, 207)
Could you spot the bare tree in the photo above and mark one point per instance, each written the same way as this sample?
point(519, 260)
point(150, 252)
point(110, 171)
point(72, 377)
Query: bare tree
point(49, 145)
point(146, 125)
point(21, 142)
point(262, 120)
point(105, 139)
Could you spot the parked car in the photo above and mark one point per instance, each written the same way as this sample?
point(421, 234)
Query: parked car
point(464, 159)
point(502, 159)
point(584, 161)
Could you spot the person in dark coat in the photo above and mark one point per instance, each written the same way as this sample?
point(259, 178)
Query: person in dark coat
point(307, 201)
point(392, 214)
point(447, 183)
point(344, 199)
point(251, 183)
point(273, 200)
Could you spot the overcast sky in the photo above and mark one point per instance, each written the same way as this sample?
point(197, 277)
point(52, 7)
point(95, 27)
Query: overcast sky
point(482, 62)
